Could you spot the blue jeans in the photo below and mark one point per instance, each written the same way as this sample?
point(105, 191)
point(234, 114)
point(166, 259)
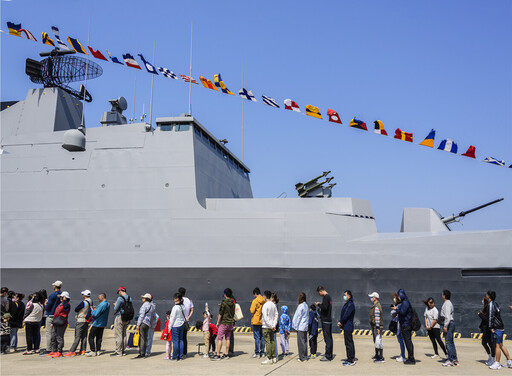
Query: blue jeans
point(450, 345)
point(259, 343)
point(14, 338)
point(151, 333)
point(177, 342)
point(402, 344)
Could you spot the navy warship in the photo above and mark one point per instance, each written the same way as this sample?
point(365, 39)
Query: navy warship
point(156, 208)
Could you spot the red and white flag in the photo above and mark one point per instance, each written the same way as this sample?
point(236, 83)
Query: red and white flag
point(130, 61)
point(333, 116)
point(291, 105)
point(188, 79)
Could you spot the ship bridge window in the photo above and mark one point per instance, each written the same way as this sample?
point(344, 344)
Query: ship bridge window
point(182, 127)
point(166, 127)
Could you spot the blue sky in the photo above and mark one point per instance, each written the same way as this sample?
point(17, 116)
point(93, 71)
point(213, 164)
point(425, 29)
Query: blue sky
point(414, 65)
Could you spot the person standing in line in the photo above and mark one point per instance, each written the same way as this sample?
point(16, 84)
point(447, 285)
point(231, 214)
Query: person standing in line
point(100, 317)
point(33, 316)
point(83, 312)
point(151, 331)
point(275, 299)
point(399, 337)
point(231, 351)
point(498, 329)
point(213, 335)
point(225, 322)
point(346, 323)
point(176, 327)
point(143, 323)
point(404, 311)
point(300, 324)
point(167, 337)
point(284, 331)
point(256, 307)
point(325, 310)
point(59, 325)
point(17, 311)
point(377, 325)
point(205, 328)
point(189, 310)
point(123, 308)
point(51, 305)
point(449, 329)
point(269, 324)
point(4, 291)
point(5, 333)
point(487, 342)
point(433, 328)
point(313, 330)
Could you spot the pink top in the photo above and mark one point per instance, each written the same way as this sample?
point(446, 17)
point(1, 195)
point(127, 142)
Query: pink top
point(206, 323)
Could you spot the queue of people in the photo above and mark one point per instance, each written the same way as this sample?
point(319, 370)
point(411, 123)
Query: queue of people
point(53, 311)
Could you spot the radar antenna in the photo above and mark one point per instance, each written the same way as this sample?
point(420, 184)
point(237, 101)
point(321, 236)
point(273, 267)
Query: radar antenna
point(57, 70)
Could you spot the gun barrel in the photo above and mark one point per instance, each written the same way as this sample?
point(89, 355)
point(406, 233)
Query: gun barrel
point(453, 218)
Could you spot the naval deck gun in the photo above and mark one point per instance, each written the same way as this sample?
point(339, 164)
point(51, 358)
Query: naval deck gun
point(454, 218)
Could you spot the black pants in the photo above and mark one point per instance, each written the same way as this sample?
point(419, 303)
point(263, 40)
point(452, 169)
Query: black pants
point(57, 339)
point(32, 335)
point(185, 343)
point(435, 336)
point(95, 338)
point(143, 340)
point(407, 336)
point(313, 342)
point(232, 343)
point(349, 346)
point(379, 353)
point(327, 330)
point(488, 343)
point(5, 340)
point(213, 339)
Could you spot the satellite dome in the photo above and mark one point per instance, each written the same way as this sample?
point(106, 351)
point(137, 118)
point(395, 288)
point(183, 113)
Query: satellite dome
point(74, 140)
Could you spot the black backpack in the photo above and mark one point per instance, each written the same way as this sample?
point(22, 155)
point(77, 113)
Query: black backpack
point(127, 311)
point(415, 321)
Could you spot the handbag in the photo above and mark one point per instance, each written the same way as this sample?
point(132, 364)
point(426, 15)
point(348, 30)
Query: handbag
point(136, 337)
point(238, 313)
point(59, 321)
point(378, 342)
point(393, 327)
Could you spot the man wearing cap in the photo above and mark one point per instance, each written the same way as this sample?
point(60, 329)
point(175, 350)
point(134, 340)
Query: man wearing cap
point(146, 313)
point(100, 316)
point(49, 311)
point(120, 326)
point(83, 311)
point(377, 325)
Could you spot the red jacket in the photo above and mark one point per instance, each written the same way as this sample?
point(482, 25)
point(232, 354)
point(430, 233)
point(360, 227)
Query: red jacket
point(62, 310)
point(166, 332)
point(213, 329)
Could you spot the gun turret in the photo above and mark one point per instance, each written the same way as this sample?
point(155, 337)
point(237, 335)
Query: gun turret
point(453, 218)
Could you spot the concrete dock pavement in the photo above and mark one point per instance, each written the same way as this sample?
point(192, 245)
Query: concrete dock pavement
point(470, 352)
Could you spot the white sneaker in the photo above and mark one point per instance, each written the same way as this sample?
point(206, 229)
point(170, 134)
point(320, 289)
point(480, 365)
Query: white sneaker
point(447, 364)
point(495, 365)
point(205, 356)
point(434, 356)
point(91, 353)
point(274, 360)
point(509, 363)
point(255, 355)
point(490, 361)
point(267, 361)
point(400, 359)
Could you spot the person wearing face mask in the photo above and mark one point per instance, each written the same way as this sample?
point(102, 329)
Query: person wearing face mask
point(398, 330)
point(433, 327)
point(487, 341)
point(377, 325)
point(405, 314)
point(346, 323)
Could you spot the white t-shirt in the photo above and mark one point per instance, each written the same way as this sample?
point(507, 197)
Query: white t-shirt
point(431, 315)
point(187, 304)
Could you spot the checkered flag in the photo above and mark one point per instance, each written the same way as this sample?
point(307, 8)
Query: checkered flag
point(167, 73)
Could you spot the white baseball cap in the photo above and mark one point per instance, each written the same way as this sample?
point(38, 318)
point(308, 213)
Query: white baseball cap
point(57, 283)
point(374, 295)
point(65, 294)
point(86, 292)
point(147, 296)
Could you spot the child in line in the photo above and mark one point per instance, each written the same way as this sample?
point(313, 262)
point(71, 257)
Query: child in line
point(206, 331)
point(167, 337)
point(284, 331)
point(313, 330)
point(213, 335)
point(5, 333)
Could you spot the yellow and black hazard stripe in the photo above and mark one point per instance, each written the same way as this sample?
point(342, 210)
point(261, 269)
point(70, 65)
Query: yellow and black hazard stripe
point(476, 335)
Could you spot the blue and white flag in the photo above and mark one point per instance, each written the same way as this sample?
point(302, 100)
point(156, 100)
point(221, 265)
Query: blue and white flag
point(167, 73)
point(269, 101)
point(61, 44)
point(149, 67)
point(247, 94)
point(113, 58)
point(495, 161)
point(448, 145)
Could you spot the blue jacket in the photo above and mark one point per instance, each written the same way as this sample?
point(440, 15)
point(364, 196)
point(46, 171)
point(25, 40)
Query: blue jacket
point(100, 314)
point(404, 309)
point(284, 322)
point(52, 303)
point(313, 323)
point(347, 315)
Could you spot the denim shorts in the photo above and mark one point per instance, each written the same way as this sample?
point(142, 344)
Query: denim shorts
point(498, 336)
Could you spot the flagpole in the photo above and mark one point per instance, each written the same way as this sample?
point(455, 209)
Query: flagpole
point(82, 125)
point(134, 93)
point(152, 80)
point(242, 99)
point(190, 81)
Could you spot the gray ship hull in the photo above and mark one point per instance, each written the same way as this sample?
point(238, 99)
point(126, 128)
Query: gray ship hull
point(207, 284)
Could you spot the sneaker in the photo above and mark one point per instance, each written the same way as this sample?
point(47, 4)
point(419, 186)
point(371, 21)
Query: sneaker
point(255, 355)
point(435, 356)
point(43, 353)
point(348, 363)
point(410, 362)
point(495, 365)
point(91, 353)
point(166, 358)
point(50, 355)
point(205, 356)
point(313, 356)
point(509, 363)
point(215, 357)
point(57, 355)
point(225, 356)
point(71, 353)
point(447, 364)
point(99, 352)
point(124, 354)
point(267, 361)
point(490, 361)
point(274, 360)
point(28, 353)
point(325, 359)
point(374, 357)
point(115, 353)
point(400, 359)
point(455, 362)
point(379, 360)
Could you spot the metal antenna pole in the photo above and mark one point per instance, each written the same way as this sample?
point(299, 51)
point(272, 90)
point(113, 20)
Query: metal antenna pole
point(82, 125)
point(242, 99)
point(152, 80)
point(190, 81)
point(134, 93)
